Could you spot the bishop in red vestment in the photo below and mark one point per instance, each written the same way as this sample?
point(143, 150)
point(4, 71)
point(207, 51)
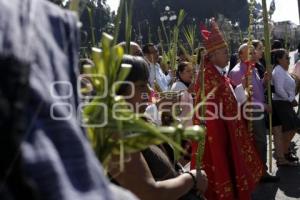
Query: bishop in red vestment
point(230, 158)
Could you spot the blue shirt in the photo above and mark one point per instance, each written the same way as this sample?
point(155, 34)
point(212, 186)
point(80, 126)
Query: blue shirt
point(56, 154)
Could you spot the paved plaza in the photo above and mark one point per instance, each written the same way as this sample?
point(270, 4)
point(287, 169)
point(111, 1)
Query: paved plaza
point(289, 186)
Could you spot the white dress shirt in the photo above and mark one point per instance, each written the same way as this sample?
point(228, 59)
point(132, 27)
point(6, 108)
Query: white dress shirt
point(156, 73)
point(222, 71)
point(239, 91)
point(152, 114)
point(284, 84)
point(186, 100)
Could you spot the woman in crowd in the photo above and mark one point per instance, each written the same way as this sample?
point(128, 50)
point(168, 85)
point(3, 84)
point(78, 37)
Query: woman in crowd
point(284, 117)
point(184, 78)
point(259, 52)
point(183, 84)
point(296, 76)
point(151, 174)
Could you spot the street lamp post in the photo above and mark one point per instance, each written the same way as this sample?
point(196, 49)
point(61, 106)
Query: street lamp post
point(141, 29)
point(236, 34)
point(167, 16)
point(140, 37)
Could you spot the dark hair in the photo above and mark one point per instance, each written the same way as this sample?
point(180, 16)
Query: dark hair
point(245, 40)
point(298, 47)
point(255, 43)
point(132, 46)
point(146, 48)
point(138, 72)
point(233, 61)
point(277, 44)
point(181, 52)
point(277, 54)
point(85, 61)
point(181, 68)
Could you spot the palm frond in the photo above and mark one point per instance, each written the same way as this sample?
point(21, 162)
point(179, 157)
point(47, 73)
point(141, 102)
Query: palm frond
point(120, 131)
point(269, 70)
point(174, 42)
point(165, 32)
point(90, 13)
point(117, 136)
point(128, 26)
point(190, 35)
point(74, 5)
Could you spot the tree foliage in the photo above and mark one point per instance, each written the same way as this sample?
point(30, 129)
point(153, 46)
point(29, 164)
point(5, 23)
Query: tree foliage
point(147, 13)
point(96, 18)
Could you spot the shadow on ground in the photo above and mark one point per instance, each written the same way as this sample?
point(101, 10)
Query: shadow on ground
point(288, 188)
point(265, 191)
point(290, 179)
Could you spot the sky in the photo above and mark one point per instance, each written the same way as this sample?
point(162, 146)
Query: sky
point(285, 9)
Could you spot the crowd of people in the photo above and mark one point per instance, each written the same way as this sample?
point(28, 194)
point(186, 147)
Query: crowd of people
point(235, 155)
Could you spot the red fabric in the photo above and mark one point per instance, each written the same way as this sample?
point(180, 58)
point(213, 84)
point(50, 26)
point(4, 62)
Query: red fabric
point(204, 32)
point(153, 96)
point(250, 67)
point(230, 159)
point(213, 39)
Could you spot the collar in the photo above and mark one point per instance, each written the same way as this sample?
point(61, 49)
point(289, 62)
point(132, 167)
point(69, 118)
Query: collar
point(151, 64)
point(281, 68)
point(222, 71)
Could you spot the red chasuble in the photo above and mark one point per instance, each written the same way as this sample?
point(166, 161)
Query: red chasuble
point(230, 158)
